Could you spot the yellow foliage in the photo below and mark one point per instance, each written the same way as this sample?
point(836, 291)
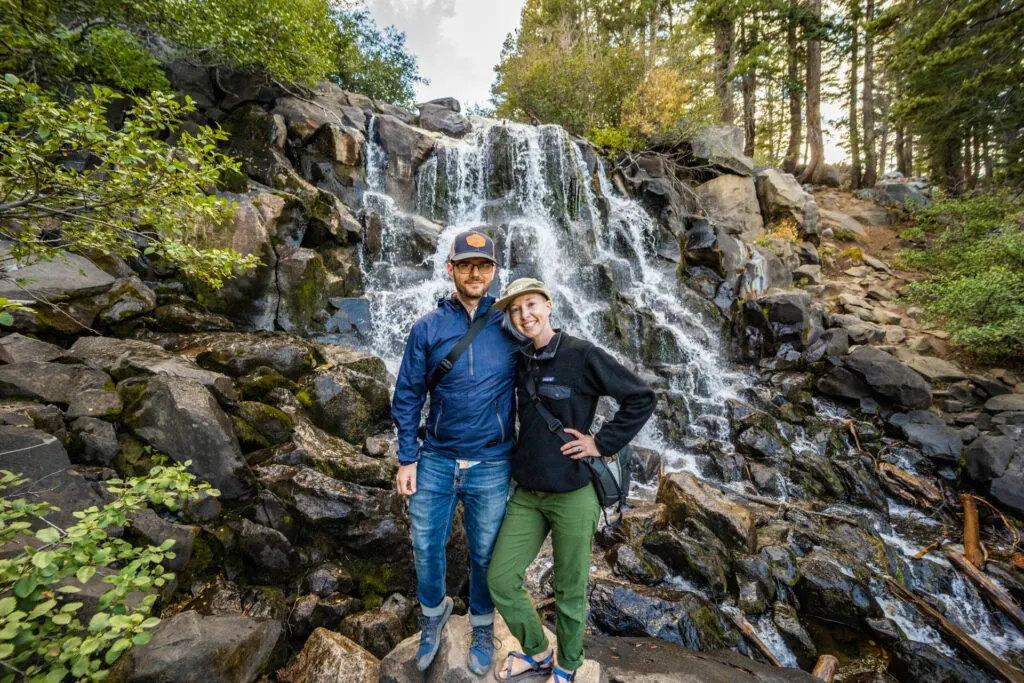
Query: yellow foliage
point(853, 253)
point(658, 102)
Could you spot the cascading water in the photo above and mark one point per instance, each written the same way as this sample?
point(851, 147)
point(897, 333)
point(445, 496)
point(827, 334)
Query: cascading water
point(556, 216)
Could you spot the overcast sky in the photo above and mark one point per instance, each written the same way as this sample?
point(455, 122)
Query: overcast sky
point(457, 42)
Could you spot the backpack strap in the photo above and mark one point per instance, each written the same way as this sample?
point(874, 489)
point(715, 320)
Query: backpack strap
point(448, 362)
point(555, 425)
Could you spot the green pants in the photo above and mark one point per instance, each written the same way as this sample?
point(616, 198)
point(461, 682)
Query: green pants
point(572, 520)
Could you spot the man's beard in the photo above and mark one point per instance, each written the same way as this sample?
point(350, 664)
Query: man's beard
point(463, 289)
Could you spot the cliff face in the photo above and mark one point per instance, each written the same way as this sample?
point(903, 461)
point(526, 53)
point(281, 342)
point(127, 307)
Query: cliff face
point(754, 492)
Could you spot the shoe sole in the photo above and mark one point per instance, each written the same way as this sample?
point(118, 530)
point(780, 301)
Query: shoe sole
point(449, 606)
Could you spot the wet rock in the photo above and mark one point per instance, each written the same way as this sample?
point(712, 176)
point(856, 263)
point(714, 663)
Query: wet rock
point(1008, 489)
point(441, 119)
point(913, 661)
point(303, 282)
point(763, 441)
point(829, 588)
point(190, 648)
point(128, 297)
point(926, 430)
point(238, 354)
point(697, 556)
point(635, 524)
point(17, 348)
point(160, 409)
point(329, 578)
point(688, 497)
point(722, 147)
point(782, 197)
point(634, 565)
point(269, 557)
point(406, 149)
point(378, 632)
point(889, 378)
point(645, 465)
point(732, 200)
point(755, 583)
point(68, 276)
point(676, 616)
point(93, 441)
point(790, 317)
point(329, 657)
point(794, 634)
point(782, 563)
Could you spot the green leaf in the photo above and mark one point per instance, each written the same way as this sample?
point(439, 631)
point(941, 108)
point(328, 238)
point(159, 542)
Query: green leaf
point(119, 646)
point(25, 586)
point(6, 319)
point(142, 638)
point(98, 621)
point(11, 79)
point(6, 650)
point(85, 573)
point(61, 619)
point(48, 535)
point(7, 606)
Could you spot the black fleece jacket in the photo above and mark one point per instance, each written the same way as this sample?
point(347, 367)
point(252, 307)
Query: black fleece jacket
point(571, 374)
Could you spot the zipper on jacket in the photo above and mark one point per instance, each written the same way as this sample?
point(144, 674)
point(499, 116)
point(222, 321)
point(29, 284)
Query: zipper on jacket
point(437, 422)
point(501, 424)
point(470, 349)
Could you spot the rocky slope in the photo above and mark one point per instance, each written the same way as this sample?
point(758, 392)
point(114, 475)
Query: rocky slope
point(792, 499)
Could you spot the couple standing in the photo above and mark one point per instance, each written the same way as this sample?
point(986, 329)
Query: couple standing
point(473, 355)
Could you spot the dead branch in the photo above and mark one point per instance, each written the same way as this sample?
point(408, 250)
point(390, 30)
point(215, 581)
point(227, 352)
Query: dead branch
point(748, 632)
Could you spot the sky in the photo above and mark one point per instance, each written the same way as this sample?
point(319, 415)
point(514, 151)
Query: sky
point(458, 43)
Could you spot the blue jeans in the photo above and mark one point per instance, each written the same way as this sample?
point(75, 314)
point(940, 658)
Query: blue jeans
point(440, 485)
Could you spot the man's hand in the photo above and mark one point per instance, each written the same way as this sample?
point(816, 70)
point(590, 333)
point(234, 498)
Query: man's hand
point(583, 447)
point(405, 480)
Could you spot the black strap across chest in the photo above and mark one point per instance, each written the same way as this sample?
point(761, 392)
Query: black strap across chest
point(555, 425)
point(448, 362)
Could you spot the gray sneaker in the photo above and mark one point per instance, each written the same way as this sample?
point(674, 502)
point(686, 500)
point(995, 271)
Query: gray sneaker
point(481, 649)
point(430, 635)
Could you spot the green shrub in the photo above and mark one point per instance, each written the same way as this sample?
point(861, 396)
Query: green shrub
point(843, 235)
point(975, 264)
point(41, 636)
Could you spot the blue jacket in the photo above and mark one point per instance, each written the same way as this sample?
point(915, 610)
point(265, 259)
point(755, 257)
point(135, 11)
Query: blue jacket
point(471, 410)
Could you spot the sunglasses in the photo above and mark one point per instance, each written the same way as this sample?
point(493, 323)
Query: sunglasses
point(466, 268)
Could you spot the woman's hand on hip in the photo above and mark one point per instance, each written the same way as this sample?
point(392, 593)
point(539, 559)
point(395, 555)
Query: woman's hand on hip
point(583, 447)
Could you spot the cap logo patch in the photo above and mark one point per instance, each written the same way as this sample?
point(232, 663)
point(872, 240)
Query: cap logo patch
point(476, 240)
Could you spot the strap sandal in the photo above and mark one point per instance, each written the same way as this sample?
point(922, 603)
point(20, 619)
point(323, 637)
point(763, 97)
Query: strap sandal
point(537, 668)
point(563, 676)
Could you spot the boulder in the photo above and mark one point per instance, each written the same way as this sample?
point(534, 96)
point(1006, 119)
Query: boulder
point(681, 617)
point(334, 457)
point(406, 149)
point(1008, 489)
point(789, 314)
point(732, 201)
point(987, 457)
point(93, 441)
point(238, 354)
point(895, 195)
point(160, 409)
point(781, 196)
point(339, 143)
point(338, 407)
point(699, 557)
point(189, 317)
point(841, 221)
point(83, 390)
point(829, 587)
point(259, 425)
point(128, 298)
point(441, 119)
point(148, 528)
point(190, 648)
point(257, 139)
point(1005, 403)
point(634, 565)
point(67, 276)
point(194, 80)
point(754, 582)
point(329, 578)
point(859, 331)
point(17, 348)
point(449, 665)
point(378, 632)
point(915, 661)
point(889, 378)
point(302, 281)
point(722, 147)
point(267, 554)
point(329, 657)
point(688, 497)
point(808, 274)
point(833, 343)
point(449, 103)
point(926, 430)
point(793, 633)
point(125, 358)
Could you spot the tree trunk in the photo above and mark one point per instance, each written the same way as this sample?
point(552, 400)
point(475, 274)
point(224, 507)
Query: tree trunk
point(816, 164)
point(908, 151)
point(868, 107)
point(724, 60)
point(883, 143)
point(987, 153)
point(855, 169)
point(968, 163)
point(793, 86)
point(976, 157)
point(749, 93)
point(901, 162)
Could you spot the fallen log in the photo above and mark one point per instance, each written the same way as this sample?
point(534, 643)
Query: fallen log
point(917, 491)
point(826, 667)
point(993, 592)
point(972, 647)
point(748, 631)
point(972, 543)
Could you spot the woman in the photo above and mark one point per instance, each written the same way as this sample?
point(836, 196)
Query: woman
point(555, 493)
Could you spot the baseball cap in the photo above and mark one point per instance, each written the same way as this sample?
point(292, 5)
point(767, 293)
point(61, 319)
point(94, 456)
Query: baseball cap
point(524, 285)
point(472, 244)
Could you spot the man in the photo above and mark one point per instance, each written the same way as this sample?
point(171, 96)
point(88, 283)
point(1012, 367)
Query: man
point(467, 447)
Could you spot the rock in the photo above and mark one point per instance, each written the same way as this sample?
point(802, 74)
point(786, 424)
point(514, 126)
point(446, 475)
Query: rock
point(441, 119)
point(125, 358)
point(808, 274)
point(303, 284)
point(634, 566)
point(839, 220)
point(927, 431)
point(870, 214)
point(832, 343)
point(1006, 402)
point(38, 457)
point(755, 583)
point(697, 555)
point(255, 385)
point(93, 441)
point(732, 200)
point(790, 317)
point(781, 197)
point(449, 664)
point(688, 497)
point(189, 648)
point(645, 466)
point(676, 616)
point(269, 557)
point(406, 149)
point(987, 457)
point(16, 348)
point(808, 253)
point(722, 147)
point(189, 318)
point(193, 80)
point(261, 424)
point(67, 276)
point(990, 386)
point(914, 661)
point(83, 390)
point(335, 457)
point(449, 103)
point(1008, 489)
point(859, 332)
point(635, 523)
point(877, 264)
point(329, 578)
point(257, 140)
point(22, 413)
point(378, 632)
point(829, 588)
point(148, 528)
point(339, 143)
point(159, 410)
point(889, 378)
point(338, 408)
point(793, 633)
point(895, 195)
point(238, 354)
point(842, 383)
point(329, 657)
point(894, 334)
point(128, 297)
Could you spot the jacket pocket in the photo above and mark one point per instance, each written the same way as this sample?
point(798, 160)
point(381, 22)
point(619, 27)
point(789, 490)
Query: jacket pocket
point(437, 421)
point(557, 392)
point(501, 423)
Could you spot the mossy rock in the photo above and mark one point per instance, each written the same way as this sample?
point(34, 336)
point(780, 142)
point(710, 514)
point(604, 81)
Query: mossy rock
point(259, 425)
point(261, 381)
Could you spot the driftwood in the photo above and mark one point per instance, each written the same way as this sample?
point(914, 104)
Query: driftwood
point(928, 548)
point(988, 587)
point(826, 667)
point(972, 543)
point(915, 490)
point(972, 647)
point(748, 631)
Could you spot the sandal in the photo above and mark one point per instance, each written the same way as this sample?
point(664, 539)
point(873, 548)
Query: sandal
point(562, 675)
point(541, 668)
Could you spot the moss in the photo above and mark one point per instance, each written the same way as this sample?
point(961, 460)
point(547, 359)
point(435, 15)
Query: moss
point(303, 397)
point(262, 381)
point(375, 584)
